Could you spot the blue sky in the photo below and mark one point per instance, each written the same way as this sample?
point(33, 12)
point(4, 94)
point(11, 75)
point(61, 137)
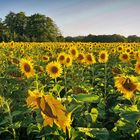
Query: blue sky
point(83, 17)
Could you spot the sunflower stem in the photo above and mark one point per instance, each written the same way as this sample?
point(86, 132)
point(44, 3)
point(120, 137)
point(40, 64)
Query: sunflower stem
point(37, 85)
point(43, 138)
point(92, 74)
point(105, 78)
point(55, 81)
point(65, 79)
point(10, 118)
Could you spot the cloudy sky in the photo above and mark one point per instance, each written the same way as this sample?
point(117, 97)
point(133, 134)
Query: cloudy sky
point(83, 17)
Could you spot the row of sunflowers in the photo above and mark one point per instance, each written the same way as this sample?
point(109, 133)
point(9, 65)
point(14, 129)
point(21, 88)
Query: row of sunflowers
point(69, 91)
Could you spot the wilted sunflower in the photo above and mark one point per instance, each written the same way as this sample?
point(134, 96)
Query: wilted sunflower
point(51, 109)
point(26, 68)
point(14, 61)
point(103, 56)
point(137, 67)
point(33, 98)
point(54, 69)
point(56, 113)
point(124, 57)
point(90, 59)
point(127, 85)
point(116, 70)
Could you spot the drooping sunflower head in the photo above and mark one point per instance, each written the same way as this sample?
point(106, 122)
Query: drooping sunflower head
point(55, 112)
point(103, 56)
point(61, 58)
point(127, 85)
point(137, 67)
point(116, 70)
point(90, 59)
point(26, 68)
point(124, 57)
point(54, 69)
point(14, 61)
point(32, 99)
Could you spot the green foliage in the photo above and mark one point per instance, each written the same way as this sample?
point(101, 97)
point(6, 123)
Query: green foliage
point(37, 27)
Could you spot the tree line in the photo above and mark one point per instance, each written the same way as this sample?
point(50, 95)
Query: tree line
point(103, 38)
point(37, 27)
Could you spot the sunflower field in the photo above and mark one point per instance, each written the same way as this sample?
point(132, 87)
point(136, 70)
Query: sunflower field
point(69, 91)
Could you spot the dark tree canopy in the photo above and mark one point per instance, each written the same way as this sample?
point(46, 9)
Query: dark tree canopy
point(103, 38)
point(37, 27)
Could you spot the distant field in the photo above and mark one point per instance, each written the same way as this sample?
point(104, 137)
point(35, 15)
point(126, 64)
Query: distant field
point(73, 91)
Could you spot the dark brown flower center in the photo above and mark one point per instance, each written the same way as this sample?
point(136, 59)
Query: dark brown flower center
point(139, 66)
point(128, 85)
point(73, 52)
point(27, 67)
point(54, 69)
point(116, 70)
point(89, 58)
point(68, 60)
point(61, 57)
point(80, 57)
point(125, 56)
point(45, 58)
point(102, 56)
point(120, 48)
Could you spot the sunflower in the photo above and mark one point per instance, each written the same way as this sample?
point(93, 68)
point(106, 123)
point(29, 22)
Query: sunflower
point(57, 113)
point(137, 67)
point(14, 61)
point(68, 61)
point(116, 70)
point(81, 57)
point(32, 100)
point(124, 57)
point(51, 109)
point(127, 85)
point(103, 56)
point(26, 68)
point(119, 49)
point(45, 58)
point(137, 55)
point(54, 69)
point(61, 58)
point(128, 50)
point(113, 50)
point(90, 59)
point(73, 52)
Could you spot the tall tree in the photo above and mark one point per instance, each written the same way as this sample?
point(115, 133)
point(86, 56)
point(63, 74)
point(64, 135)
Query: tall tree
point(10, 22)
